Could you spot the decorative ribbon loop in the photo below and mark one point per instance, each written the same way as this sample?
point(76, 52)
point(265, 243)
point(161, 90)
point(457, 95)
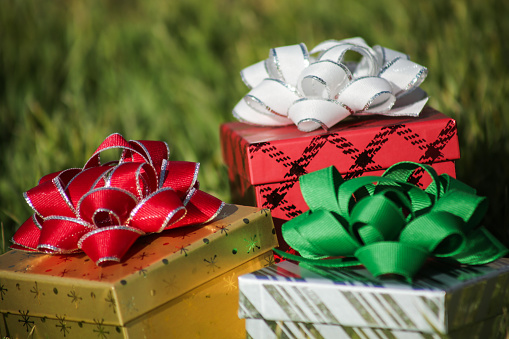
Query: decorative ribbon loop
point(314, 113)
point(93, 243)
point(84, 181)
point(30, 232)
point(387, 224)
point(392, 257)
point(285, 63)
point(291, 86)
point(439, 233)
point(201, 208)
point(103, 208)
point(145, 181)
point(376, 218)
point(157, 211)
point(181, 176)
point(61, 234)
point(106, 206)
point(272, 96)
point(323, 79)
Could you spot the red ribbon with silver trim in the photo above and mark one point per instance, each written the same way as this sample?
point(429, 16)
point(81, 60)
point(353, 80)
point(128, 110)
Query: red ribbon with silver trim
point(102, 209)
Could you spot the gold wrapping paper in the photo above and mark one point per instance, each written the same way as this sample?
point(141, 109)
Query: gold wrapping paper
point(207, 311)
point(157, 269)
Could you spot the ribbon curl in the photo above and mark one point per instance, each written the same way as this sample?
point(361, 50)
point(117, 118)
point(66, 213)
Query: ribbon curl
point(387, 224)
point(102, 209)
point(292, 86)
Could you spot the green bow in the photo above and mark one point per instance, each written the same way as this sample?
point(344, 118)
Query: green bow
point(387, 224)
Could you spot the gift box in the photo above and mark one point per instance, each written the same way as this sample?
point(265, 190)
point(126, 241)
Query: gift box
point(264, 163)
point(258, 328)
point(291, 301)
point(180, 280)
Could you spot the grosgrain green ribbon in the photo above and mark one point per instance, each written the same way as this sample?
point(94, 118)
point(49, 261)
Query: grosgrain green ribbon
point(388, 224)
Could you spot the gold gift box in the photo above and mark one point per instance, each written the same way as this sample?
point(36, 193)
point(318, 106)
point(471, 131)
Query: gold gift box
point(69, 295)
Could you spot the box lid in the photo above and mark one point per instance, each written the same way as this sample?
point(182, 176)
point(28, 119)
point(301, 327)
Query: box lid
point(191, 315)
point(157, 269)
point(440, 300)
point(274, 154)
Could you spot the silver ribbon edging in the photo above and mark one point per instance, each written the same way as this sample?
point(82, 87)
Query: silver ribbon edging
point(293, 87)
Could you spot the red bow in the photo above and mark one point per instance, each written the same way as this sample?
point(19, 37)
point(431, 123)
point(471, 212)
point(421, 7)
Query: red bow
point(103, 208)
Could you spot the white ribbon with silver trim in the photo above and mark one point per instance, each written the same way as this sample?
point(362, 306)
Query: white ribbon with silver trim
point(293, 87)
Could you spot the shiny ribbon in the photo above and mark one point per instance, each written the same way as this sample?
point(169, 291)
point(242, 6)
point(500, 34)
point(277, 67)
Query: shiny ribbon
point(292, 86)
point(102, 209)
point(387, 224)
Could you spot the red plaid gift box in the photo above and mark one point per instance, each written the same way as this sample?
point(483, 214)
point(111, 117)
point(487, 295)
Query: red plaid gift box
point(264, 163)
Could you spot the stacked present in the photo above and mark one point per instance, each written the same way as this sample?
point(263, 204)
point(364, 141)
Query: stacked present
point(400, 255)
point(314, 113)
point(134, 249)
point(289, 301)
point(264, 163)
point(415, 247)
point(137, 250)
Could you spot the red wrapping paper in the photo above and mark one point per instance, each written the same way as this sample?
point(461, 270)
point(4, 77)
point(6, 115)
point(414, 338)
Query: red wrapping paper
point(264, 163)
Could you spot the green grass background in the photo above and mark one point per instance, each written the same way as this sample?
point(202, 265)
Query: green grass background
point(73, 72)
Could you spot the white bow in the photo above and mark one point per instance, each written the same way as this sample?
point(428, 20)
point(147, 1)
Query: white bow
point(293, 87)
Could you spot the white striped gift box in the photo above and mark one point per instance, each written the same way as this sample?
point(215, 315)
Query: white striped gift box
point(492, 328)
point(442, 299)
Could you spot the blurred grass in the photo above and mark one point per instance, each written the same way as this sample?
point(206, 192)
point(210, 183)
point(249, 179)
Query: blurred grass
point(72, 73)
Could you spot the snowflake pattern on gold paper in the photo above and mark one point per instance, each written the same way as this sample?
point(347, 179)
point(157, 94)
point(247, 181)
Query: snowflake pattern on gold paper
point(100, 329)
point(29, 255)
point(37, 292)
point(141, 271)
point(3, 291)
point(25, 320)
point(75, 298)
point(130, 304)
point(142, 256)
point(186, 235)
point(64, 258)
point(224, 229)
point(183, 250)
point(211, 264)
point(170, 283)
point(64, 272)
point(62, 324)
point(252, 244)
point(269, 260)
point(230, 282)
point(111, 302)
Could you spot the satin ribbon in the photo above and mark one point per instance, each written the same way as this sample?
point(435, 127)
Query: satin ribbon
point(292, 86)
point(102, 209)
point(387, 224)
